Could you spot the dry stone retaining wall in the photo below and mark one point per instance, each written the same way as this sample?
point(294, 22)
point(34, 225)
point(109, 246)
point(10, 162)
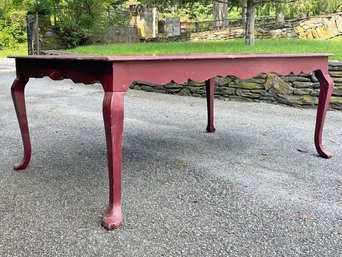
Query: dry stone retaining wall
point(295, 90)
point(321, 27)
point(119, 34)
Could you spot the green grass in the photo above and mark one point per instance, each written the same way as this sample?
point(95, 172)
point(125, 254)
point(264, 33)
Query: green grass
point(20, 49)
point(230, 46)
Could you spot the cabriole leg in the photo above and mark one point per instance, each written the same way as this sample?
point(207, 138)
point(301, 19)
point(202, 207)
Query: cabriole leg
point(113, 115)
point(210, 87)
point(18, 97)
point(326, 89)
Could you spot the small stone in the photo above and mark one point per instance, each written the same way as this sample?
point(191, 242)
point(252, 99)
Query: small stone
point(226, 91)
point(246, 93)
point(314, 92)
point(332, 28)
point(288, 99)
point(309, 100)
point(336, 100)
point(185, 92)
point(248, 85)
point(337, 91)
point(299, 84)
point(302, 91)
point(195, 84)
point(261, 76)
point(292, 78)
point(197, 90)
point(277, 85)
point(338, 80)
point(196, 95)
point(256, 80)
point(173, 91)
point(336, 74)
point(338, 20)
point(304, 217)
point(147, 88)
point(299, 29)
point(265, 93)
point(257, 91)
point(313, 77)
point(173, 86)
point(223, 81)
point(267, 98)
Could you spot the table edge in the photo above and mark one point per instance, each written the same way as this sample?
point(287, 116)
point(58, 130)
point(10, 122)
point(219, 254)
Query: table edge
point(162, 57)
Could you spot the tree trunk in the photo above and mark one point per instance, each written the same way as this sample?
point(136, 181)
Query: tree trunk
point(244, 13)
point(220, 14)
point(280, 19)
point(250, 24)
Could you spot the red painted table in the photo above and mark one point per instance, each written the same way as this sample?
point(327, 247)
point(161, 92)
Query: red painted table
point(116, 73)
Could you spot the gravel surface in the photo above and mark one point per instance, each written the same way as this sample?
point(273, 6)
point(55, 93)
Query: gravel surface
point(256, 187)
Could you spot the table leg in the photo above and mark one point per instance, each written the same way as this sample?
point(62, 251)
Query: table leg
point(18, 97)
point(113, 115)
point(326, 89)
point(210, 87)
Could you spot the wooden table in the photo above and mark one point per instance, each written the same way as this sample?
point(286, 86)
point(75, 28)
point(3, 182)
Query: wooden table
point(116, 73)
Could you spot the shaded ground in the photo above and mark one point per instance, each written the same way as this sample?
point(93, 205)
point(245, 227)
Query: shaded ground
point(254, 188)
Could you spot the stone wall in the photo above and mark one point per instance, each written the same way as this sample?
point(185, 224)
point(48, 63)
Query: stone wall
point(295, 90)
point(43, 36)
point(119, 34)
point(163, 38)
point(321, 27)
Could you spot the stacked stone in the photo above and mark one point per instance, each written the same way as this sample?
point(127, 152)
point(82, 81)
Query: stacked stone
point(226, 34)
point(50, 37)
point(295, 90)
point(321, 27)
point(163, 38)
point(335, 71)
point(119, 34)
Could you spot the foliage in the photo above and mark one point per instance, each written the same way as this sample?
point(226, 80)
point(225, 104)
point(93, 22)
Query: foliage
point(235, 12)
point(316, 7)
point(12, 24)
point(118, 14)
point(294, 9)
point(82, 20)
point(188, 12)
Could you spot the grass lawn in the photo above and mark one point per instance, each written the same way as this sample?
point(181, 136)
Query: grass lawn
point(231, 46)
point(19, 50)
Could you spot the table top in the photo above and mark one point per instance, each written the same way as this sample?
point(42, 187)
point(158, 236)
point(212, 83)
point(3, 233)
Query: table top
point(162, 57)
point(161, 69)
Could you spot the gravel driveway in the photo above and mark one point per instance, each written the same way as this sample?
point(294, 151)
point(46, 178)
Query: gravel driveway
point(256, 187)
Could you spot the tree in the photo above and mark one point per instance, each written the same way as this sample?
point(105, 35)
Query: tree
point(250, 23)
point(220, 13)
point(280, 18)
point(250, 17)
point(12, 23)
point(83, 19)
point(244, 12)
point(220, 8)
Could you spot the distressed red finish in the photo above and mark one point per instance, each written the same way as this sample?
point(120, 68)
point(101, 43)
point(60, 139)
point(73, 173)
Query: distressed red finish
point(116, 73)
